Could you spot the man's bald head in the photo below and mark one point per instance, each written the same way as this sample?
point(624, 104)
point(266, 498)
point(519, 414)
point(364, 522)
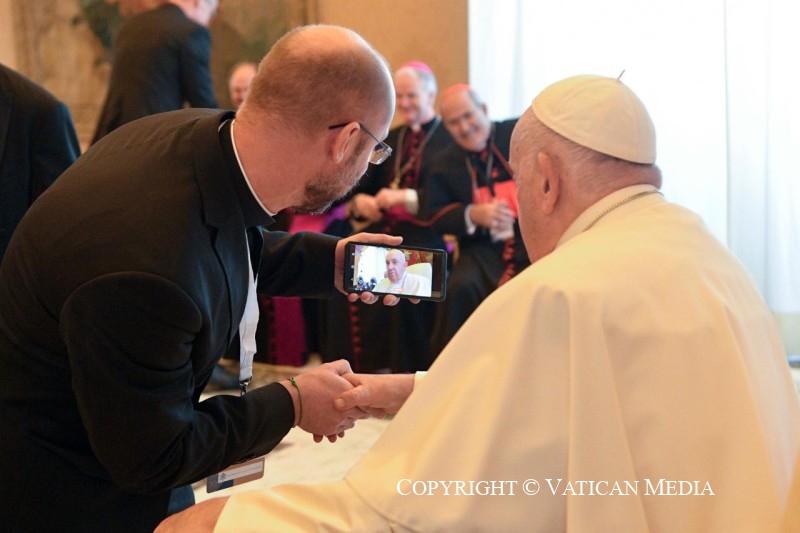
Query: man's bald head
point(317, 76)
point(466, 117)
point(239, 81)
point(415, 89)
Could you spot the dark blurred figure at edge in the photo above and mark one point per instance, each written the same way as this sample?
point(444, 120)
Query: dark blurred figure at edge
point(37, 143)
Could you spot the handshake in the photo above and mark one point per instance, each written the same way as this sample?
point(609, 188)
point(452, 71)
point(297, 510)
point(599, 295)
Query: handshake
point(330, 398)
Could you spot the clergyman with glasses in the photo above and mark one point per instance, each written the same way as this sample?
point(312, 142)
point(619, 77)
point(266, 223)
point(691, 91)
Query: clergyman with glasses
point(127, 281)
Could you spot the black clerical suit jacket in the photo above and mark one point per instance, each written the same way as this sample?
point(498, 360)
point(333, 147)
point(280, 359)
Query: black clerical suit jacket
point(161, 61)
point(37, 143)
point(121, 289)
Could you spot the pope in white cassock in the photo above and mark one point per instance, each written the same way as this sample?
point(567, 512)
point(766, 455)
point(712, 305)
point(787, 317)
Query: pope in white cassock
point(399, 281)
point(631, 379)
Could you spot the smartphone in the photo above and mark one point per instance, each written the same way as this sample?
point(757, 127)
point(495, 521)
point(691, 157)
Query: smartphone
point(405, 271)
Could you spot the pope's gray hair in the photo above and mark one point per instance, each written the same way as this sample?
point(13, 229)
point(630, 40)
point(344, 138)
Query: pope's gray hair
point(595, 171)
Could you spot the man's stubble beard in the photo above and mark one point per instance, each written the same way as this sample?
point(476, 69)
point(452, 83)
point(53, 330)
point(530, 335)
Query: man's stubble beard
point(322, 191)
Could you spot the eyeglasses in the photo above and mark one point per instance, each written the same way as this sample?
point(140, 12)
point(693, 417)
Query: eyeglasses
point(380, 152)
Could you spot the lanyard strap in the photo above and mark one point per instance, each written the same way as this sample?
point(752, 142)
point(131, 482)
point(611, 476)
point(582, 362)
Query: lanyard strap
point(247, 330)
point(414, 157)
point(492, 152)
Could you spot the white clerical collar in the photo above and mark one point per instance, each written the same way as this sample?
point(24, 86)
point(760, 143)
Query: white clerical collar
point(246, 179)
point(399, 284)
point(607, 208)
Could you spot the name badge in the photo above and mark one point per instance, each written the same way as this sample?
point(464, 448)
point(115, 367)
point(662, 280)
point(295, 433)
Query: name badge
point(237, 474)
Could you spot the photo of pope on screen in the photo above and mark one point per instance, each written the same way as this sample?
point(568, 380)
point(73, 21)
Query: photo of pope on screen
point(408, 272)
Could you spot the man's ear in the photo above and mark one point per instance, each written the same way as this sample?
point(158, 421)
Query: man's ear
point(550, 185)
point(345, 139)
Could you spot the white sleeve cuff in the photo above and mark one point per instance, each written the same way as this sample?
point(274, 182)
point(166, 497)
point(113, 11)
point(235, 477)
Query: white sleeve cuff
point(468, 224)
point(412, 201)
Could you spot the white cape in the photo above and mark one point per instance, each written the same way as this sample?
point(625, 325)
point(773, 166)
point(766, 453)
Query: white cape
point(634, 364)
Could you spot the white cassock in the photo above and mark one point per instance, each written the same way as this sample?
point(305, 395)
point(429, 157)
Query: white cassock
point(410, 284)
point(634, 364)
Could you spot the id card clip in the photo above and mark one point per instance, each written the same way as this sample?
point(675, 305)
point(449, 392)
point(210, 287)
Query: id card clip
point(237, 474)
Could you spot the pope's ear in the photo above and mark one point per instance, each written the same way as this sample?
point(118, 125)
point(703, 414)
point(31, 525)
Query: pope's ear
point(550, 185)
point(344, 139)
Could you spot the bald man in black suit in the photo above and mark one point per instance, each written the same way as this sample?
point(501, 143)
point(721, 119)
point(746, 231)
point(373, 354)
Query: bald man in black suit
point(128, 279)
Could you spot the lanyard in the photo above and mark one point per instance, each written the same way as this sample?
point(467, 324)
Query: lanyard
point(493, 151)
point(247, 329)
point(399, 171)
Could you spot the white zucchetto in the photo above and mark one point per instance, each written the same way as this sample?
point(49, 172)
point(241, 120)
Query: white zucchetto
point(599, 113)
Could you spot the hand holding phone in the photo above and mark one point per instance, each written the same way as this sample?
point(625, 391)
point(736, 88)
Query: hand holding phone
point(404, 271)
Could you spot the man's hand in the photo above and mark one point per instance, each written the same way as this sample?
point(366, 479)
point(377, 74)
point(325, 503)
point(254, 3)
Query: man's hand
point(365, 207)
point(313, 400)
point(376, 394)
point(370, 238)
point(388, 198)
point(493, 215)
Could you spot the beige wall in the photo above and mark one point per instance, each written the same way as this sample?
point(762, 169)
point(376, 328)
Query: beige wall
point(431, 31)
point(50, 41)
point(7, 56)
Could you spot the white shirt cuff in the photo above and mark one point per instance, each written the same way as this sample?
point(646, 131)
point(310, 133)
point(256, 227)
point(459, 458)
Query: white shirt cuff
point(412, 201)
point(468, 223)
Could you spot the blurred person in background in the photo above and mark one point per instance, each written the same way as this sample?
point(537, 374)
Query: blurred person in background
point(471, 194)
point(387, 200)
point(160, 63)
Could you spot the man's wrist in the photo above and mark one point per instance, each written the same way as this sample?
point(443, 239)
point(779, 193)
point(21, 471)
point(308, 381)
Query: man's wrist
point(293, 392)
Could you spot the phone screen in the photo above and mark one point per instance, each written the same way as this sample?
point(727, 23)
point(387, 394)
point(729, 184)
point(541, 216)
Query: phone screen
point(405, 271)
